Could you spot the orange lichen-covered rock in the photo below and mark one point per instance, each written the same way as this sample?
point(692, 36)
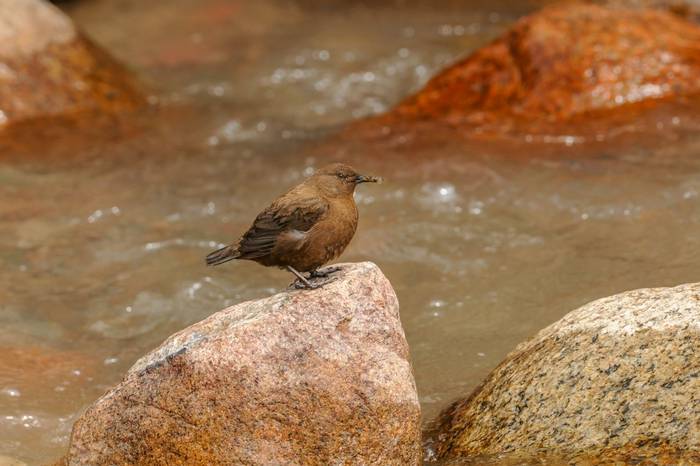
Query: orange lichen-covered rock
point(560, 64)
point(303, 377)
point(47, 68)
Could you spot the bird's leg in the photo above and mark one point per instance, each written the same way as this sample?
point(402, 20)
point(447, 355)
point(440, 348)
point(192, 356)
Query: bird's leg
point(301, 281)
point(323, 273)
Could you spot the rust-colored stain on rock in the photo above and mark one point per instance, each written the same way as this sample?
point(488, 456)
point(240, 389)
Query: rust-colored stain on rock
point(48, 68)
point(565, 63)
point(303, 377)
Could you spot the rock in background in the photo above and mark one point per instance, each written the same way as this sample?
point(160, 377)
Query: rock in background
point(689, 9)
point(47, 68)
point(313, 377)
point(560, 70)
point(618, 378)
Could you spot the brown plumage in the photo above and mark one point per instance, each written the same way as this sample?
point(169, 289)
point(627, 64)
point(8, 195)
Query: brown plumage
point(305, 228)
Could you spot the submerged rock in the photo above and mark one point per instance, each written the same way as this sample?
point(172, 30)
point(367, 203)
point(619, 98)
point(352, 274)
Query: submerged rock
point(313, 377)
point(22, 366)
point(560, 67)
point(9, 461)
point(618, 378)
point(47, 68)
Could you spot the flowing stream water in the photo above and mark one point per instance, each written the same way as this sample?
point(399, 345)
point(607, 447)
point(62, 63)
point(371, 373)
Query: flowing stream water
point(102, 239)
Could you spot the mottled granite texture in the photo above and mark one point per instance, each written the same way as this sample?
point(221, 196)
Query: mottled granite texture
point(312, 377)
point(617, 378)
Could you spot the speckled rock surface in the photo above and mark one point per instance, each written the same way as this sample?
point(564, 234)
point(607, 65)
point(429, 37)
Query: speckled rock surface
point(558, 70)
point(617, 378)
point(48, 68)
point(689, 9)
point(303, 377)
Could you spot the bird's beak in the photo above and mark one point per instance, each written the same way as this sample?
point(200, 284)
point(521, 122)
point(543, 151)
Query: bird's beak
point(368, 179)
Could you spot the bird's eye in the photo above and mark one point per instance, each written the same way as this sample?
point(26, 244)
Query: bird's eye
point(342, 176)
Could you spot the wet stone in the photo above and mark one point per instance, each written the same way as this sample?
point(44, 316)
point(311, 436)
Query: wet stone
point(48, 68)
point(9, 461)
point(558, 70)
point(22, 366)
point(322, 375)
point(617, 378)
point(689, 9)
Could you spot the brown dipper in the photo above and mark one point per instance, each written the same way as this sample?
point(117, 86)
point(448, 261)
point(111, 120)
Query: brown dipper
point(303, 229)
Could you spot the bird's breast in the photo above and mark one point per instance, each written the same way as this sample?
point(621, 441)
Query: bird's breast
point(327, 239)
point(340, 225)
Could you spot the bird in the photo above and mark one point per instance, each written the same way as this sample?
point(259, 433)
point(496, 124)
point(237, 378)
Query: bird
point(304, 228)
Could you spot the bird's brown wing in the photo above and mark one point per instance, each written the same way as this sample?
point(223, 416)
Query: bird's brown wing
point(284, 215)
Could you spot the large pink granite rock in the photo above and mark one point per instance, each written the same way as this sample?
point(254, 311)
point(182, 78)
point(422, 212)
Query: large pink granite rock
point(616, 381)
point(303, 377)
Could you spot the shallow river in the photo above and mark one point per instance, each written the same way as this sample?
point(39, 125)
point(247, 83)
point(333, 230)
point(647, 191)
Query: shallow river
point(102, 239)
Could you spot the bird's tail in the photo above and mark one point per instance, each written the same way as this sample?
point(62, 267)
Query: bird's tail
point(225, 254)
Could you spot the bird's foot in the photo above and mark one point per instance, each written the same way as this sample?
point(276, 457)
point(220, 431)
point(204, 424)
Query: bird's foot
point(299, 285)
point(303, 283)
point(323, 273)
point(310, 285)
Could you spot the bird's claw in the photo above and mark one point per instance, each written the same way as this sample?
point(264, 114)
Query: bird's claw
point(318, 273)
point(310, 285)
point(297, 285)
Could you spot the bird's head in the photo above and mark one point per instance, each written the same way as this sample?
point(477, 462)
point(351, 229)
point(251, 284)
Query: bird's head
point(339, 179)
